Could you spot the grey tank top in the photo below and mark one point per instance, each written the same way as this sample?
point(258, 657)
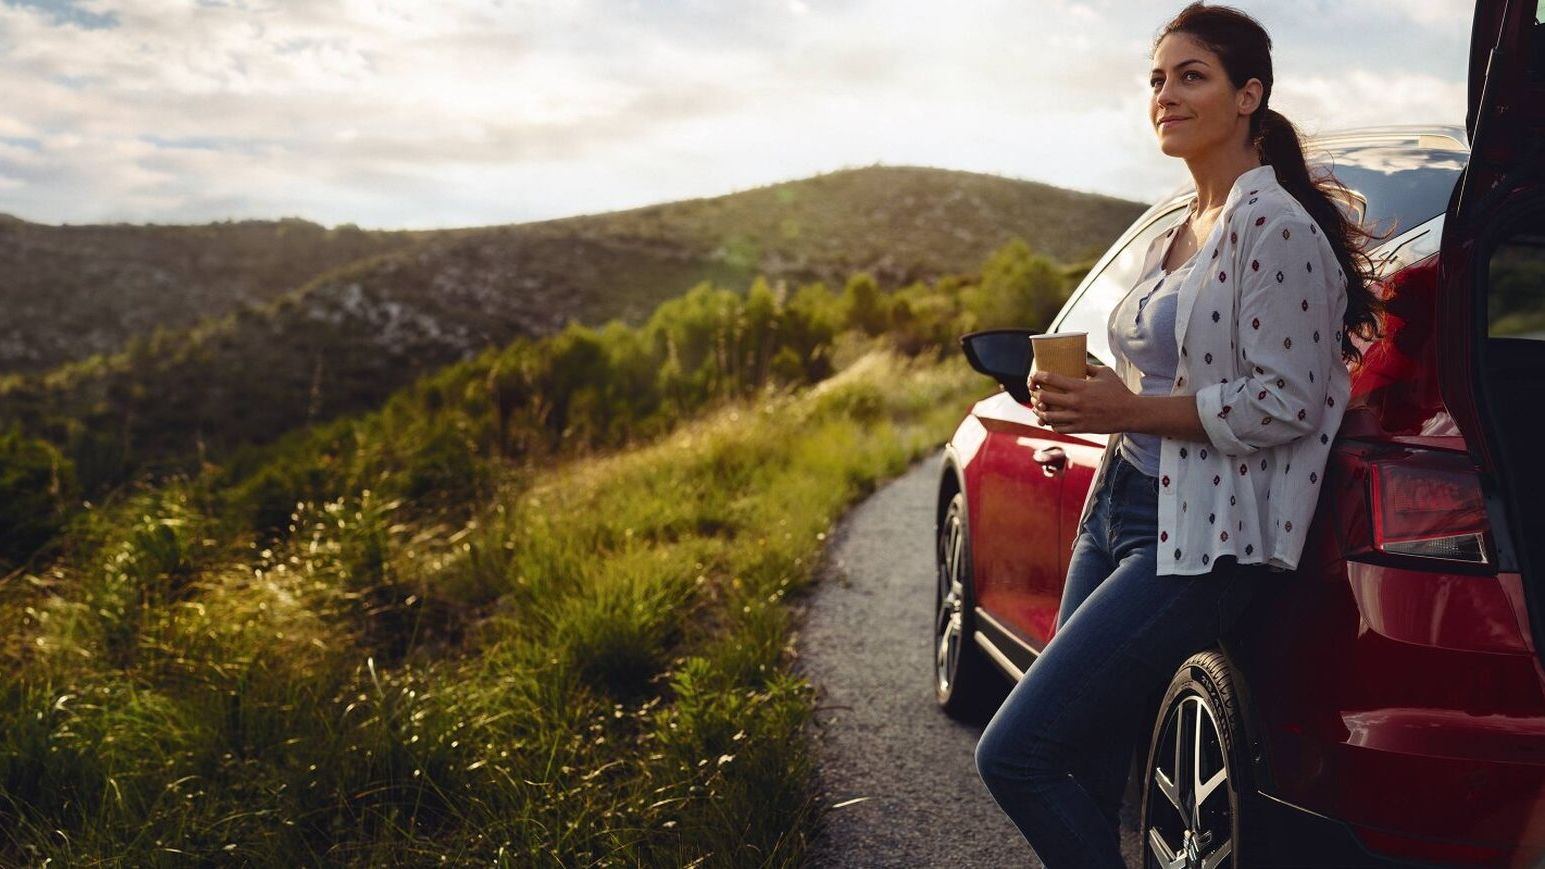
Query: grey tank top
point(1143, 331)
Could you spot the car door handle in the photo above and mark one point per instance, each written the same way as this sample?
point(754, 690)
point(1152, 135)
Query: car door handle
point(1051, 460)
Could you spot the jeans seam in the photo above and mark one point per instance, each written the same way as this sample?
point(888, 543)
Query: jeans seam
point(1101, 512)
point(1112, 524)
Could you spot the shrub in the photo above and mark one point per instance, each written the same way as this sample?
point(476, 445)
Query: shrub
point(36, 486)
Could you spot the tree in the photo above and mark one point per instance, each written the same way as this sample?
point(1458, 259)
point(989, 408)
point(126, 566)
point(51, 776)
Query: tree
point(761, 315)
point(863, 306)
point(1019, 288)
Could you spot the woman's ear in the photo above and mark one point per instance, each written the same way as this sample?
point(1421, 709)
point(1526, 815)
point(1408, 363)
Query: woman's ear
point(1250, 96)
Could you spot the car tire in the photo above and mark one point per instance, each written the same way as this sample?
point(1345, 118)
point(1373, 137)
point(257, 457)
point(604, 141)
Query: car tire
point(963, 677)
point(1198, 748)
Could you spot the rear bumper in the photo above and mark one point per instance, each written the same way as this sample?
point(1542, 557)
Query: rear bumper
point(1457, 795)
point(1397, 808)
point(1288, 836)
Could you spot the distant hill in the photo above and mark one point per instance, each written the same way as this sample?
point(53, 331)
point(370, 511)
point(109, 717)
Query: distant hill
point(349, 337)
point(69, 292)
point(900, 224)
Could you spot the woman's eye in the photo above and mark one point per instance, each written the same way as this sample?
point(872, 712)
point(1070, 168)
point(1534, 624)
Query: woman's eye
point(1186, 76)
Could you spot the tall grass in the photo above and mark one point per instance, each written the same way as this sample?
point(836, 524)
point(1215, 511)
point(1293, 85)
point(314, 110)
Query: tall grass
point(592, 670)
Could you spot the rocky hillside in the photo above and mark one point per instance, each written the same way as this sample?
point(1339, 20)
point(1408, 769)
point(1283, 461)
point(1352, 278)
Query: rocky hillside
point(69, 292)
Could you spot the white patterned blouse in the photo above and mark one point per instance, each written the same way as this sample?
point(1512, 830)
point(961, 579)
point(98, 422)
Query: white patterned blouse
point(1258, 324)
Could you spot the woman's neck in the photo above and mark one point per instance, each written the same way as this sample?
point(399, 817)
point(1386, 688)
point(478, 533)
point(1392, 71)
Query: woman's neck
point(1215, 174)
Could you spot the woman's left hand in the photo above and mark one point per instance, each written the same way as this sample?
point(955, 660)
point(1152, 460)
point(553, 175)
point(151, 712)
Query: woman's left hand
point(1100, 404)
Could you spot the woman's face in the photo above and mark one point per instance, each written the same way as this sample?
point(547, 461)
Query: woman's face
point(1192, 105)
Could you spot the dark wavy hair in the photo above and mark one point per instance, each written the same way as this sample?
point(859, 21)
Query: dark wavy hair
point(1244, 48)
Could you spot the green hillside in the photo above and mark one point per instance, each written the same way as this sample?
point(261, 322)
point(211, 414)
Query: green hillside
point(349, 337)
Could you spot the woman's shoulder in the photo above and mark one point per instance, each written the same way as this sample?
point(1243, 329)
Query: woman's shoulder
point(1265, 203)
point(1270, 213)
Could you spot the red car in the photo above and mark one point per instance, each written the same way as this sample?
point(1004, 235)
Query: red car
point(1384, 704)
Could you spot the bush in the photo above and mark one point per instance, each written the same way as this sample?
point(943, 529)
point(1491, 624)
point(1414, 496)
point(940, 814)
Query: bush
point(37, 485)
point(446, 469)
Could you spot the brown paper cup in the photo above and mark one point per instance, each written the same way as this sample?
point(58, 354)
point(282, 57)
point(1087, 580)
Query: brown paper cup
point(1064, 353)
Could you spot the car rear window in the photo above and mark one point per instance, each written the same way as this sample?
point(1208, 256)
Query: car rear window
point(1399, 185)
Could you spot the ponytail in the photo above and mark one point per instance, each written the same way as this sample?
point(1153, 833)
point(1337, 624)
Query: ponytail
point(1277, 143)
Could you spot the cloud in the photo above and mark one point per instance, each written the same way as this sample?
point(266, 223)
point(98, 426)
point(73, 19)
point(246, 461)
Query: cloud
point(404, 114)
point(1365, 97)
point(1446, 16)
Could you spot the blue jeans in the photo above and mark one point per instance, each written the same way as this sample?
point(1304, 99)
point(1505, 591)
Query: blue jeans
point(1057, 753)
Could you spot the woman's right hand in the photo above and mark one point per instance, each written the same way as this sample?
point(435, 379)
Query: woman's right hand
point(1098, 403)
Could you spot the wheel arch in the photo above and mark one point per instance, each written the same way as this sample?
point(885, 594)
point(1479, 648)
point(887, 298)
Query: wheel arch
point(1229, 649)
point(951, 481)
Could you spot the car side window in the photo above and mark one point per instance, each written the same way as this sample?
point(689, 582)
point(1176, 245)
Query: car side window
point(1091, 306)
point(1515, 297)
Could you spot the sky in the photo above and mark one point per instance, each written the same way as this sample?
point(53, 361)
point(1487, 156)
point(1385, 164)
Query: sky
point(416, 114)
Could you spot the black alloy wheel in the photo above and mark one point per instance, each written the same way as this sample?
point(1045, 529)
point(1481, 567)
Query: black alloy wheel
point(1196, 771)
point(962, 673)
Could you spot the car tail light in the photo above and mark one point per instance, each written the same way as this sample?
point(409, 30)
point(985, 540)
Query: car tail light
point(1428, 505)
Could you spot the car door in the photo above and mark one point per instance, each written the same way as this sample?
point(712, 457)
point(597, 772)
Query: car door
point(1018, 482)
point(1087, 311)
point(1491, 278)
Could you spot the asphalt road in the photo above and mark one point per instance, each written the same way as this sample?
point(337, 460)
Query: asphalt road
point(903, 768)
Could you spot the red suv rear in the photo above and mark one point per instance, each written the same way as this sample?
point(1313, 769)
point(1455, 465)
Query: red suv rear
point(1385, 705)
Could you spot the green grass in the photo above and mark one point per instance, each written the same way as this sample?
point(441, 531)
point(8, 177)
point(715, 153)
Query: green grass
point(592, 670)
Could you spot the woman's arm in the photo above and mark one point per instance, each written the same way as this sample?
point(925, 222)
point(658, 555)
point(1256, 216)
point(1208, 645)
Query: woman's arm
point(1103, 404)
point(1288, 334)
point(1171, 416)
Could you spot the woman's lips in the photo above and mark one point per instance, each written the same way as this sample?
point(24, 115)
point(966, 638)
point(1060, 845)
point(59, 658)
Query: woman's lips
point(1169, 121)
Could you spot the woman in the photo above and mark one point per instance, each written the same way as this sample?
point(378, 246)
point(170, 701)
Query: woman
point(1229, 386)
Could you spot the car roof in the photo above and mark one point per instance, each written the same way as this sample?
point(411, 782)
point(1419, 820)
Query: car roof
point(1445, 136)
